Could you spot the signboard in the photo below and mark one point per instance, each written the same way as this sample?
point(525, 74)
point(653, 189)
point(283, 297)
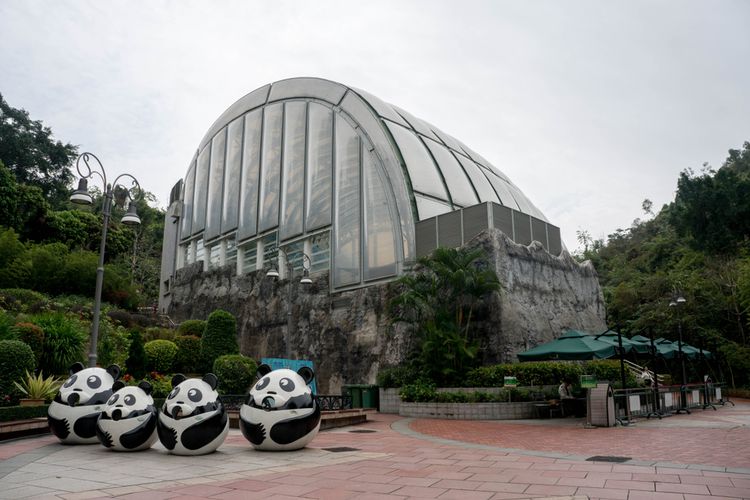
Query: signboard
point(510, 382)
point(588, 381)
point(292, 364)
point(635, 402)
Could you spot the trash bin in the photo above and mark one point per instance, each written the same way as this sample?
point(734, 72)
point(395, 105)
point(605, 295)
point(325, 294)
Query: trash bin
point(355, 392)
point(370, 396)
point(542, 410)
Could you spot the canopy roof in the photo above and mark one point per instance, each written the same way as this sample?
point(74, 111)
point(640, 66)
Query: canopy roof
point(628, 345)
point(572, 345)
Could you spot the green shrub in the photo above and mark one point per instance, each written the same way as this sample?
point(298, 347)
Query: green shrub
point(397, 376)
point(220, 336)
point(235, 373)
point(113, 345)
point(188, 358)
point(160, 355)
point(532, 373)
point(136, 362)
point(22, 300)
point(16, 358)
point(65, 340)
point(33, 336)
point(11, 413)
point(418, 393)
point(194, 327)
point(161, 385)
point(608, 369)
point(79, 273)
point(158, 333)
point(7, 326)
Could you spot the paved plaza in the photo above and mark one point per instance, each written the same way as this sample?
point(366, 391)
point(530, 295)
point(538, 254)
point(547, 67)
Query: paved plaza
point(685, 457)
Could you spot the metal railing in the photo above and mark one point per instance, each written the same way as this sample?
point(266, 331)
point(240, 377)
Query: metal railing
point(645, 402)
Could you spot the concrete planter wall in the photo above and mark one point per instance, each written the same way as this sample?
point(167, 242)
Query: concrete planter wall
point(469, 411)
point(389, 400)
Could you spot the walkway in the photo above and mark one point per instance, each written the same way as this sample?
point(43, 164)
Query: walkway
point(397, 458)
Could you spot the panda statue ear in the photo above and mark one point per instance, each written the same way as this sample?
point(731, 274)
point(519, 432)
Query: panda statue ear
point(145, 387)
point(306, 373)
point(119, 384)
point(211, 380)
point(114, 371)
point(263, 370)
point(178, 379)
point(76, 367)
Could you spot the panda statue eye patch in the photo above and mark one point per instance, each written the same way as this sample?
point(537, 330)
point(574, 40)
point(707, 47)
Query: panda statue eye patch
point(113, 399)
point(174, 392)
point(263, 383)
point(194, 395)
point(129, 400)
point(286, 384)
point(71, 381)
point(94, 382)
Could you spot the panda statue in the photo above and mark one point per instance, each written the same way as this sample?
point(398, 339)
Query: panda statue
point(73, 413)
point(193, 421)
point(280, 413)
point(128, 421)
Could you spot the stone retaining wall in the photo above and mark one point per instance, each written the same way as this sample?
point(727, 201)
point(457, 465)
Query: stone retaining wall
point(469, 411)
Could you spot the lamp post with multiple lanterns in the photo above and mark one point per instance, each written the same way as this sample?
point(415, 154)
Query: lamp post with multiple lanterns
point(82, 196)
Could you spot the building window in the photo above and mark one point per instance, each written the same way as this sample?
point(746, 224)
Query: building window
point(214, 255)
point(320, 253)
point(269, 245)
point(250, 257)
point(231, 251)
point(294, 252)
point(200, 251)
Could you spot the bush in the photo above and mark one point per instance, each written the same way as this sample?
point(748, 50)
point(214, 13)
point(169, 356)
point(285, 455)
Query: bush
point(33, 336)
point(194, 327)
point(7, 327)
point(532, 373)
point(158, 333)
point(161, 385)
point(188, 358)
point(609, 369)
point(136, 362)
point(64, 341)
point(235, 373)
point(11, 413)
point(22, 300)
point(397, 376)
point(220, 336)
point(160, 355)
point(114, 344)
point(418, 393)
point(16, 358)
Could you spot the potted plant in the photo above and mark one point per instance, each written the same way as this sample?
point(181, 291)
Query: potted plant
point(38, 389)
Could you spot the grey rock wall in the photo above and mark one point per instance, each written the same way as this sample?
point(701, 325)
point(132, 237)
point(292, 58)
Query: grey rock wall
point(347, 335)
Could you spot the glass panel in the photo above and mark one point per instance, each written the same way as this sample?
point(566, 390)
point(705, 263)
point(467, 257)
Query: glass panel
point(319, 166)
point(381, 107)
point(188, 248)
point(250, 170)
point(215, 185)
point(347, 242)
point(320, 253)
point(187, 203)
point(525, 204)
point(428, 207)
point(199, 250)
point(502, 190)
point(447, 139)
point(417, 124)
point(380, 242)
point(231, 252)
point(460, 188)
point(214, 256)
point(422, 171)
point(230, 208)
point(271, 171)
point(295, 124)
point(201, 190)
point(270, 244)
point(294, 253)
point(250, 257)
point(481, 184)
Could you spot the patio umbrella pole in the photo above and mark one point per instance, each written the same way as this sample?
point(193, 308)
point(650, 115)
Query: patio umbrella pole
point(657, 403)
point(621, 352)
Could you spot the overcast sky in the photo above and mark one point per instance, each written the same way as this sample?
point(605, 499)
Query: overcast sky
point(588, 106)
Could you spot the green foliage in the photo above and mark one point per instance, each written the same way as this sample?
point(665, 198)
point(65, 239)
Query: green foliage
point(136, 362)
point(438, 303)
point(113, 346)
point(158, 333)
point(235, 373)
point(609, 369)
point(7, 326)
point(188, 359)
point(419, 392)
point(11, 413)
point(529, 374)
point(194, 327)
point(65, 339)
point(161, 385)
point(220, 336)
point(33, 336)
point(16, 358)
point(160, 355)
point(397, 376)
point(13, 269)
point(22, 300)
point(38, 387)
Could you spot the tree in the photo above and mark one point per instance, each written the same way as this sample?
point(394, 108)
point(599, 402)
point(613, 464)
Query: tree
point(28, 150)
point(220, 337)
point(22, 206)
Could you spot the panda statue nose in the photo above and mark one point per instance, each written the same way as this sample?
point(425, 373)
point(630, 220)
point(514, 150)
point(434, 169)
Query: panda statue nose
point(268, 403)
point(117, 414)
point(73, 399)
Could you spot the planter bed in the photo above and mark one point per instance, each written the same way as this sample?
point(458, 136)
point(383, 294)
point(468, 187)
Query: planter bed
point(470, 411)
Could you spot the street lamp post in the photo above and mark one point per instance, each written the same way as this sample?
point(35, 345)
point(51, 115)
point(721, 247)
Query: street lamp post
point(677, 302)
point(81, 196)
point(274, 273)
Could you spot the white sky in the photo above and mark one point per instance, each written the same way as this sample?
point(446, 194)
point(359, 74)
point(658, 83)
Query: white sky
point(588, 106)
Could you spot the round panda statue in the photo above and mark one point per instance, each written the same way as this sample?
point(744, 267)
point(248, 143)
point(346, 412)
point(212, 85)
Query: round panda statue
point(128, 421)
point(280, 413)
point(193, 421)
point(73, 414)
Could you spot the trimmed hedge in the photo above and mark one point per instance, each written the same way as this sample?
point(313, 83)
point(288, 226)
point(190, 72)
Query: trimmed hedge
point(235, 373)
point(220, 337)
point(11, 413)
point(136, 363)
point(532, 373)
point(194, 327)
point(160, 355)
point(22, 300)
point(16, 358)
point(33, 336)
point(188, 359)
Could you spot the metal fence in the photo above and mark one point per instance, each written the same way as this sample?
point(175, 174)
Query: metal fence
point(646, 402)
point(326, 402)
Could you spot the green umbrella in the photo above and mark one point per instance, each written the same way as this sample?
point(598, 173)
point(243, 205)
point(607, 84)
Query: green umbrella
point(572, 345)
point(628, 345)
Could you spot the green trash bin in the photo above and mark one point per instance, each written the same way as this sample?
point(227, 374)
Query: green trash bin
point(370, 396)
point(355, 391)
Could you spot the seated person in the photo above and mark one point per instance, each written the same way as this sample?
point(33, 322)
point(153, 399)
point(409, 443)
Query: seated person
point(566, 398)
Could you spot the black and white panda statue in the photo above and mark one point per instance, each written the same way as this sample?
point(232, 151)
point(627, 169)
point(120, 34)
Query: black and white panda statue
point(128, 421)
point(193, 421)
point(280, 413)
point(73, 414)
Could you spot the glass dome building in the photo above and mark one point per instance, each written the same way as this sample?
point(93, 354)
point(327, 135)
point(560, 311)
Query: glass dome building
point(336, 179)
